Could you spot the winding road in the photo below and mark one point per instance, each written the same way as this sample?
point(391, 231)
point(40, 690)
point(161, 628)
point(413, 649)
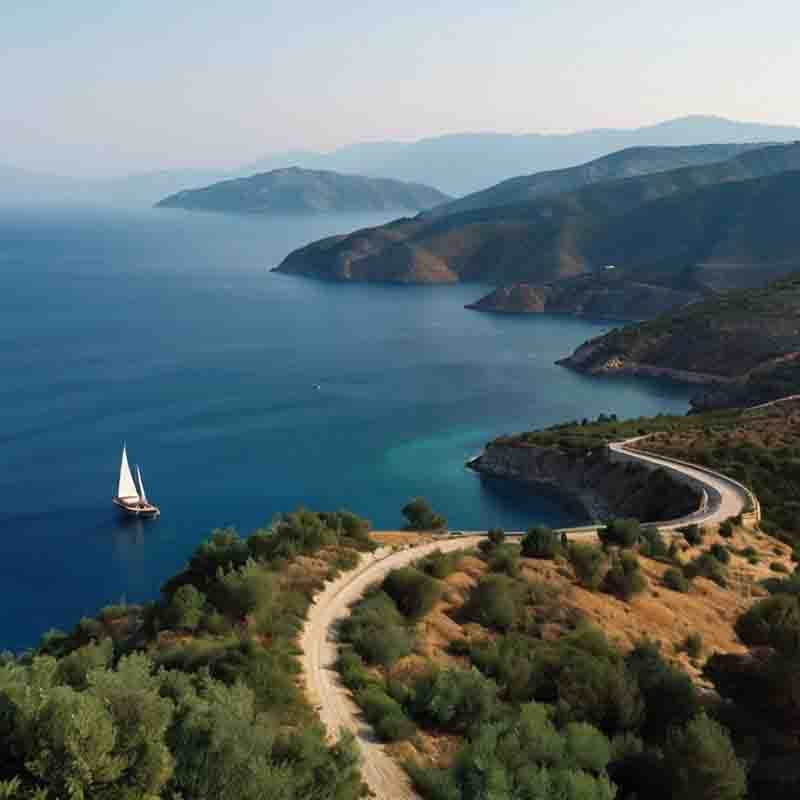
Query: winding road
point(333, 702)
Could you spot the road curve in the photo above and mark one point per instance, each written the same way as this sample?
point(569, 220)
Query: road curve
point(384, 776)
point(332, 700)
point(727, 497)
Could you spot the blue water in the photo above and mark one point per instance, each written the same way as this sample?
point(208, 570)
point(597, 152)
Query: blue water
point(243, 393)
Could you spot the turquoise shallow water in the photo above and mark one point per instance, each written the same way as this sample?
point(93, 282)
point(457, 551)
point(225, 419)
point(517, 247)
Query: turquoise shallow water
point(243, 393)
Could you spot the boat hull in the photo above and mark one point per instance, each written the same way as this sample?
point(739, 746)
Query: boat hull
point(136, 509)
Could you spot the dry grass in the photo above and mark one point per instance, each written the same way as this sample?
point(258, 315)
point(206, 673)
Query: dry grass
point(400, 538)
point(658, 613)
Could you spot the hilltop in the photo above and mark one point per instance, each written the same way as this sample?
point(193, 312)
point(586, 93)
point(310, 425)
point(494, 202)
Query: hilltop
point(710, 220)
point(302, 191)
point(627, 163)
point(742, 346)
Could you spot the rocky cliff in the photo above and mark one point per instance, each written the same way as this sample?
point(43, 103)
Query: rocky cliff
point(743, 346)
point(592, 485)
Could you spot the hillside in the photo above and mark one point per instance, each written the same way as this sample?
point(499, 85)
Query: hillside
point(300, 191)
point(722, 234)
point(608, 293)
point(742, 346)
point(551, 665)
point(626, 163)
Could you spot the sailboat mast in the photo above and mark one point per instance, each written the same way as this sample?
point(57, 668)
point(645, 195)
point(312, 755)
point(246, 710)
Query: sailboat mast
point(142, 495)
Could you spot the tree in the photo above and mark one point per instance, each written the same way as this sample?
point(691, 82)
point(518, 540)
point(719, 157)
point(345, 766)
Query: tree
point(185, 610)
point(413, 591)
point(496, 536)
point(421, 517)
point(454, 699)
point(624, 579)
point(773, 622)
point(587, 561)
point(702, 762)
point(541, 542)
point(494, 602)
point(620, 532)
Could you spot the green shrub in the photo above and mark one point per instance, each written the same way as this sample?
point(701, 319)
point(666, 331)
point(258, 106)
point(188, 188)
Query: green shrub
point(693, 645)
point(773, 622)
point(505, 560)
point(588, 562)
point(621, 533)
point(438, 564)
point(496, 602)
point(652, 544)
point(377, 630)
point(351, 668)
point(454, 699)
point(541, 542)
point(624, 579)
point(720, 553)
point(693, 534)
point(395, 728)
point(706, 566)
point(726, 529)
point(702, 764)
point(414, 592)
point(675, 580)
point(185, 609)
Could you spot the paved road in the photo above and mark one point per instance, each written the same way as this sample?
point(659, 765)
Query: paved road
point(335, 706)
point(727, 497)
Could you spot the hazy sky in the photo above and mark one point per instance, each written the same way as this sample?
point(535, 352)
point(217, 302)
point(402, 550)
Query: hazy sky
point(100, 86)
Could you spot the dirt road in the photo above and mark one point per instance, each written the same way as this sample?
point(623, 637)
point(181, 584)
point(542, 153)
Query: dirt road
point(335, 706)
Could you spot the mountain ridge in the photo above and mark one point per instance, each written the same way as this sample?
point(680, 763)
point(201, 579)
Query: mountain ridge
point(457, 163)
point(552, 237)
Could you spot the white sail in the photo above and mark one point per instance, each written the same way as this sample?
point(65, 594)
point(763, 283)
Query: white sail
point(127, 488)
point(141, 484)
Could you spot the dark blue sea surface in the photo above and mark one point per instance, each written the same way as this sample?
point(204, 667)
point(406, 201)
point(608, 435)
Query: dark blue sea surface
point(243, 393)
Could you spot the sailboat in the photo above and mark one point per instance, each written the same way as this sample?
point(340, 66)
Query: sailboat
point(130, 497)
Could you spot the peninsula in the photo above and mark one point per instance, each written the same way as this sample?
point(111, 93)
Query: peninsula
point(723, 223)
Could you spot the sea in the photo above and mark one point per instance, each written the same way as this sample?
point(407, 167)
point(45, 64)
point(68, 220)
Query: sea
point(242, 394)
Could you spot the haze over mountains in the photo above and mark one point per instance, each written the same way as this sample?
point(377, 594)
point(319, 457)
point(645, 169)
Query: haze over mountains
point(697, 225)
point(303, 191)
point(455, 164)
point(466, 162)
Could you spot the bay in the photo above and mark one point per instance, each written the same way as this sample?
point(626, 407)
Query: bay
point(243, 393)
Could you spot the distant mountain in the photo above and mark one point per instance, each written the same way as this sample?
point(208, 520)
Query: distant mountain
point(302, 191)
point(683, 221)
point(742, 347)
point(466, 162)
point(456, 163)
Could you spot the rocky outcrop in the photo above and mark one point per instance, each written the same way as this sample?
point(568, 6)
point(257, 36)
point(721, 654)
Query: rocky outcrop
point(600, 295)
point(741, 346)
point(592, 485)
